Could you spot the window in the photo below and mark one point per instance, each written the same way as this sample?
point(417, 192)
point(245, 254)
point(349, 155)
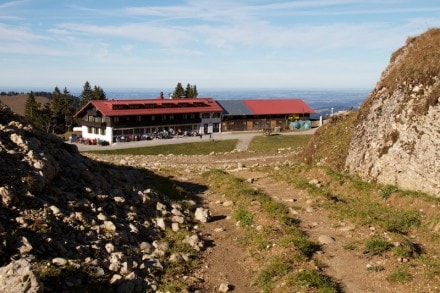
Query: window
point(138, 118)
point(205, 115)
point(90, 129)
point(171, 117)
point(115, 119)
point(102, 131)
point(95, 130)
point(216, 115)
point(185, 116)
point(153, 117)
point(193, 116)
point(90, 118)
point(215, 127)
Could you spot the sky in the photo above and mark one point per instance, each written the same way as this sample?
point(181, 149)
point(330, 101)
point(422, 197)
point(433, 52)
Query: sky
point(306, 44)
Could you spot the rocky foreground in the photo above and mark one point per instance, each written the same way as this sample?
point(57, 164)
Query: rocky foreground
point(68, 222)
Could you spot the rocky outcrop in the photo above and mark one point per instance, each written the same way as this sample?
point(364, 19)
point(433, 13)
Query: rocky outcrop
point(397, 136)
point(68, 223)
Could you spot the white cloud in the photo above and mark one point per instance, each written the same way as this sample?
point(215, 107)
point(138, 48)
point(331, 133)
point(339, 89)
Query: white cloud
point(18, 34)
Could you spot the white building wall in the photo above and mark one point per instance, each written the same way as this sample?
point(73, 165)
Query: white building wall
point(210, 122)
point(108, 136)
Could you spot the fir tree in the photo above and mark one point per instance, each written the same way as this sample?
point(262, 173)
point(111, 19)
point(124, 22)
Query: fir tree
point(46, 118)
point(87, 94)
point(31, 107)
point(179, 92)
point(98, 93)
point(191, 91)
point(69, 109)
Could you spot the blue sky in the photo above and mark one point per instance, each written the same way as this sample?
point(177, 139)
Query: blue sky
point(320, 44)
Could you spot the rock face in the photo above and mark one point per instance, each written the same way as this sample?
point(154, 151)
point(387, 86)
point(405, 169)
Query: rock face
point(397, 137)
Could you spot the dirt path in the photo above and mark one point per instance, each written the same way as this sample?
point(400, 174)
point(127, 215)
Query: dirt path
point(226, 261)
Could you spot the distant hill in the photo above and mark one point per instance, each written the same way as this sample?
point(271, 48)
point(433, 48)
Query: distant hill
point(18, 102)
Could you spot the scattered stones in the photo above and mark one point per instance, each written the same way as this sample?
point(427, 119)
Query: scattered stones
point(194, 241)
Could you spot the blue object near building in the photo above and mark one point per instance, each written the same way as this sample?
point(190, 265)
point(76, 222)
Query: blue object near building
point(302, 124)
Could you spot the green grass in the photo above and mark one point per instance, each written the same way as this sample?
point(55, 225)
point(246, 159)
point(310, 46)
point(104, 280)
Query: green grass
point(191, 148)
point(242, 216)
point(275, 269)
point(352, 199)
point(315, 279)
point(400, 275)
point(272, 143)
point(377, 245)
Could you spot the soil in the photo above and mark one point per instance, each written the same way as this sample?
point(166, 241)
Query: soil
point(227, 261)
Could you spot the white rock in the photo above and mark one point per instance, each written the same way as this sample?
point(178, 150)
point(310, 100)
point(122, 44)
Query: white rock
point(55, 210)
point(203, 215)
point(59, 261)
point(325, 239)
point(160, 222)
point(145, 247)
point(228, 203)
point(109, 247)
point(175, 227)
point(224, 287)
point(109, 226)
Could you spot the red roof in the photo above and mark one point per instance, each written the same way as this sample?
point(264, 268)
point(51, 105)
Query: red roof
point(152, 106)
point(287, 106)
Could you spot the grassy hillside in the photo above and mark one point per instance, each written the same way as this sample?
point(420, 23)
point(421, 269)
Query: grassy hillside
point(329, 145)
point(18, 102)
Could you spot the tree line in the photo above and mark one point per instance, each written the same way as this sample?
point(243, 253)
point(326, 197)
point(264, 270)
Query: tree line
point(190, 92)
point(57, 115)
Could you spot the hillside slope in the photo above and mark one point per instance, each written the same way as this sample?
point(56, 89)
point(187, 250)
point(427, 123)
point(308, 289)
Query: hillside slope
point(397, 136)
point(68, 223)
point(17, 103)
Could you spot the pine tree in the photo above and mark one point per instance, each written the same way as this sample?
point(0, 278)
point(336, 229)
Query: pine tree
point(195, 93)
point(191, 91)
point(98, 93)
point(56, 111)
point(87, 94)
point(179, 92)
point(31, 107)
point(46, 118)
point(69, 109)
